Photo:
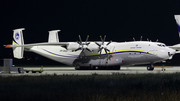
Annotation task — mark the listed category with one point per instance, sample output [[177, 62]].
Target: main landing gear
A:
[[150, 67], [77, 67]]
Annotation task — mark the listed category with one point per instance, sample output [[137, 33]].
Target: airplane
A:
[[96, 55]]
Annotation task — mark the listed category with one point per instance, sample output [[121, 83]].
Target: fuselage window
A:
[[163, 45], [159, 45]]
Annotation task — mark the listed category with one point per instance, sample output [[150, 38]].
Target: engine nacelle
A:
[[93, 46], [73, 46]]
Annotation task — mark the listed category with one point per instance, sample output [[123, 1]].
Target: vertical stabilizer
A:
[[53, 36], [18, 40], [177, 17]]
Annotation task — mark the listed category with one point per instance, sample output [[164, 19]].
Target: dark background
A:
[[119, 20]]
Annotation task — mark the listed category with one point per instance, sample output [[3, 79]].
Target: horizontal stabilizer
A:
[[53, 36]]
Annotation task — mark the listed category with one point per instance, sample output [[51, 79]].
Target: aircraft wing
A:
[[38, 44]]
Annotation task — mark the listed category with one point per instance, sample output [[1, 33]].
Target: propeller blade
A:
[[100, 53], [88, 43], [108, 42], [104, 39], [83, 51], [134, 39], [78, 42], [105, 50], [80, 39], [88, 49], [141, 38], [100, 49], [98, 44], [86, 39], [78, 49]]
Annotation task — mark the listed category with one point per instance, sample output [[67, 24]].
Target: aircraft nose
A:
[[171, 53]]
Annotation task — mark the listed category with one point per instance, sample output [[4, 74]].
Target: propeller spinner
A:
[[83, 46], [103, 46]]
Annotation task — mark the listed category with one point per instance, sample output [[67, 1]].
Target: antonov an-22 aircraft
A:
[[96, 55]]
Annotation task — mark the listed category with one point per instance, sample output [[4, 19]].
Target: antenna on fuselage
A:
[[141, 38], [147, 39], [157, 40], [134, 39]]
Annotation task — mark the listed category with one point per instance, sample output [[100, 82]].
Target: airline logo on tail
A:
[[17, 36]]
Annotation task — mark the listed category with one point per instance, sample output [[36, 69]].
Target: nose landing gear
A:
[[150, 67]]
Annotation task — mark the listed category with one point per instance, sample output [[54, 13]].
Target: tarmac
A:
[[72, 71]]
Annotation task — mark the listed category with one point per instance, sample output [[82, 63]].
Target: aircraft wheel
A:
[[77, 67], [27, 71], [96, 68], [150, 68], [33, 71]]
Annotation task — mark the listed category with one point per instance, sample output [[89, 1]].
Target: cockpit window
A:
[[161, 45]]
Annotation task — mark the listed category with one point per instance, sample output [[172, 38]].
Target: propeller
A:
[[83, 46], [103, 46]]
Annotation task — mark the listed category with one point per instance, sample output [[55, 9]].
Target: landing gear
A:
[[107, 68], [77, 67], [150, 67], [96, 68]]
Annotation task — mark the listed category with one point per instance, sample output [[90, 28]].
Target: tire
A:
[[27, 71], [77, 67], [150, 68], [33, 71], [96, 68]]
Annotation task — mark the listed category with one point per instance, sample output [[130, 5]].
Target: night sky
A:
[[119, 20]]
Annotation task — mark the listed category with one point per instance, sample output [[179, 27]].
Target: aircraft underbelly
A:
[[140, 59], [68, 60]]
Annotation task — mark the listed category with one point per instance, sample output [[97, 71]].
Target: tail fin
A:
[[53, 36], [177, 17], [18, 40]]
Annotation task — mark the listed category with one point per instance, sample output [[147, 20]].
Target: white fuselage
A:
[[132, 53]]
